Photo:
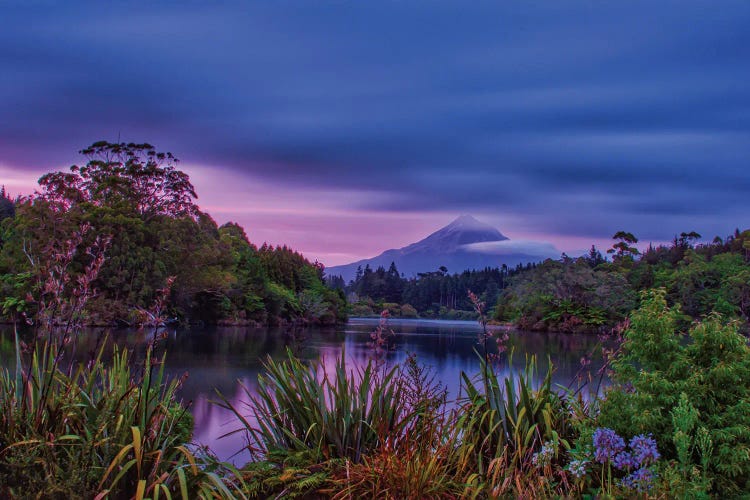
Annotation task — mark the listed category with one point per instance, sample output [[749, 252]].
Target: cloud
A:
[[509, 247], [580, 119]]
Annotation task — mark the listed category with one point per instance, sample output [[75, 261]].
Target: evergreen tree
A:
[[7, 206]]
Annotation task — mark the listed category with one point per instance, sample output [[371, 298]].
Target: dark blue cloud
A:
[[582, 118]]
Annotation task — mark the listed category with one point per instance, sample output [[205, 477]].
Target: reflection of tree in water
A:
[[295, 339]]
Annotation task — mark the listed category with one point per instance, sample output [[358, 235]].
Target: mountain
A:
[[465, 243]]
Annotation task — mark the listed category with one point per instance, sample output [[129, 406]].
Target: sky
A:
[[344, 128]]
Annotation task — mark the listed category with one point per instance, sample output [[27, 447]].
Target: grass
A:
[[100, 430]]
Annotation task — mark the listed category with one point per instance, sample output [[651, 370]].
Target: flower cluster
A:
[[544, 456], [644, 449], [641, 480], [577, 468], [607, 444], [623, 461], [610, 447]]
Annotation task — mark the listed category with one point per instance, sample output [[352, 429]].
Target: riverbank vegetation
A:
[[673, 424], [589, 294], [586, 293], [136, 200], [110, 425], [102, 429]]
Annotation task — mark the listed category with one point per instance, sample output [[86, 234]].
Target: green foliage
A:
[[509, 419], [282, 301], [588, 293], [431, 294], [362, 309], [624, 250], [342, 415], [662, 382], [311, 305], [291, 475], [13, 289], [98, 428], [7, 205], [136, 199], [567, 296], [399, 462], [370, 434]]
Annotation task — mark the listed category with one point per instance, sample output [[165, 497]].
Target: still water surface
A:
[[225, 358]]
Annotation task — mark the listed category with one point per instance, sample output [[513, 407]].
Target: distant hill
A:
[[465, 243]]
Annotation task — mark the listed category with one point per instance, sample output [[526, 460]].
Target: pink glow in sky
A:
[[319, 223], [17, 181]]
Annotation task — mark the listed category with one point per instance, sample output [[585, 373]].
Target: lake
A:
[[222, 358]]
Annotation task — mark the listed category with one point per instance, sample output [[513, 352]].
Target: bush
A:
[[408, 311], [361, 309], [503, 424], [661, 378]]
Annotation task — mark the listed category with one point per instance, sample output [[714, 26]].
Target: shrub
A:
[[361, 309], [392, 308], [659, 376], [408, 311]]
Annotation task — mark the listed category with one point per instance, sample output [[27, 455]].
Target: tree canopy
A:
[[136, 198], [128, 177]]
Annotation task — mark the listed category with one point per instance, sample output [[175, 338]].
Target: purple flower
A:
[[644, 449], [624, 461], [607, 444], [641, 480]]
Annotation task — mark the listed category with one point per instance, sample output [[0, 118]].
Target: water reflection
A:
[[222, 358]]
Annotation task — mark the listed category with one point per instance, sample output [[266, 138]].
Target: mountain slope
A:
[[465, 243]]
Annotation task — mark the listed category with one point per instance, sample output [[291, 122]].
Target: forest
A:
[[131, 204], [435, 294], [590, 293]]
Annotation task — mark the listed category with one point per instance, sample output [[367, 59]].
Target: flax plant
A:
[[302, 407], [501, 424], [417, 464], [98, 430]]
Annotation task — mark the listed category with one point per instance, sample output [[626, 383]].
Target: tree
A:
[[130, 177], [7, 211], [136, 198], [624, 248], [394, 285], [566, 296], [686, 239], [594, 257], [7, 206]]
